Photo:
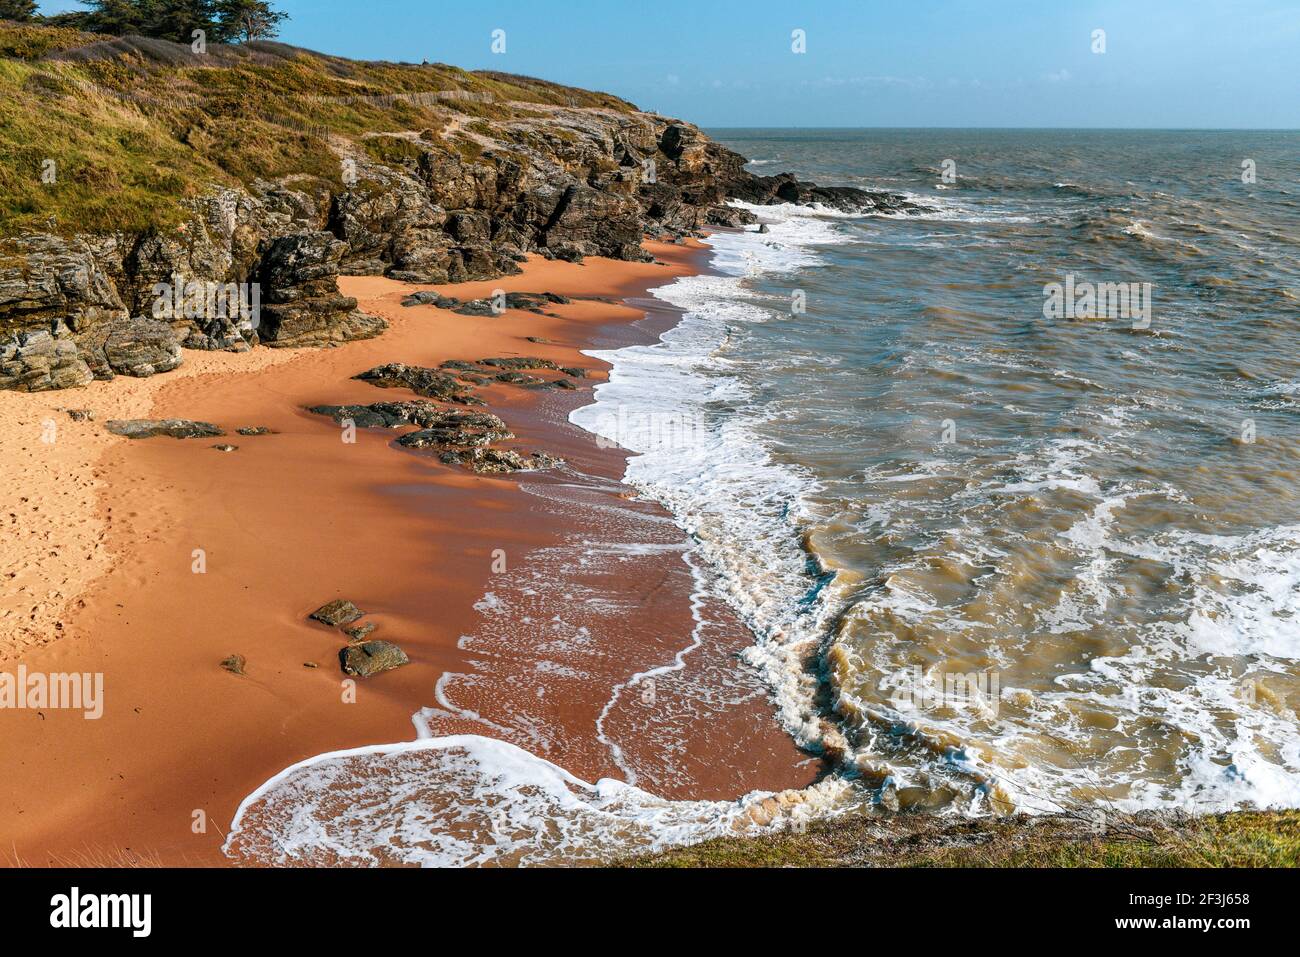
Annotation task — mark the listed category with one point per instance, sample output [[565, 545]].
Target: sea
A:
[[1004, 485]]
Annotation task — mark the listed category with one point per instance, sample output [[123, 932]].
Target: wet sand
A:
[[297, 518]]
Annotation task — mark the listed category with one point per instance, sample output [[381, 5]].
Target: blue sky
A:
[[1168, 63]]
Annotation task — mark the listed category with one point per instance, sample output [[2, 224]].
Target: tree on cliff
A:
[[20, 10], [178, 19], [223, 21], [250, 19], [165, 19]]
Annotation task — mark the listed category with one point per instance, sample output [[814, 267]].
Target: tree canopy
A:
[[20, 10], [222, 21]]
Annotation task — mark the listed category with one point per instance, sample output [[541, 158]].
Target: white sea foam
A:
[[745, 511], [467, 800]]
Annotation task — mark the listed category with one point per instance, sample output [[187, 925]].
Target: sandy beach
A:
[[102, 579]]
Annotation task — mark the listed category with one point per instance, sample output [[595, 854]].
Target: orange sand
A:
[[97, 576]]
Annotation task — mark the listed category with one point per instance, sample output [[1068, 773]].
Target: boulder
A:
[[141, 347], [371, 658], [359, 632], [338, 612], [37, 361]]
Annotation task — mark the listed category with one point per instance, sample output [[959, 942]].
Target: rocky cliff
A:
[[372, 176]]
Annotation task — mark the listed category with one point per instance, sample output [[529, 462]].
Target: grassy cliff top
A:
[[133, 125]]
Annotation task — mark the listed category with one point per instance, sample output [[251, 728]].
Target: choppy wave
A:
[[746, 512], [474, 800]]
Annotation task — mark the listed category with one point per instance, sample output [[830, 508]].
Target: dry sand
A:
[[100, 539]]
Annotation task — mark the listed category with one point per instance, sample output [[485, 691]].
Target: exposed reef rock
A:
[[459, 436], [785, 188], [174, 428], [486, 372], [527, 301], [431, 383], [492, 461], [455, 428], [382, 415]]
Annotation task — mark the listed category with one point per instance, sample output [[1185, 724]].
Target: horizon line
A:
[[1113, 129]]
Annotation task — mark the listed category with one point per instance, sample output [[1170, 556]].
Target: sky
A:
[[1218, 64]]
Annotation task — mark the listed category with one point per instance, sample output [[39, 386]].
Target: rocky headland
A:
[[167, 200]]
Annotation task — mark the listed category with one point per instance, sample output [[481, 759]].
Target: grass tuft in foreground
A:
[[1240, 839]]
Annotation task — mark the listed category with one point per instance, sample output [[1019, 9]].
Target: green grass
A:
[[132, 134], [1241, 839]]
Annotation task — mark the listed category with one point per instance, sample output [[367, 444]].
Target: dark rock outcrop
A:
[[303, 306], [429, 298], [527, 301], [456, 428], [174, 428], [430, 383], [382, 415], [459, 436], [519, 362], [494, 461], [562, 182]]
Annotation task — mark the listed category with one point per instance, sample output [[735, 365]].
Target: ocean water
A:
[[994, 557]]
